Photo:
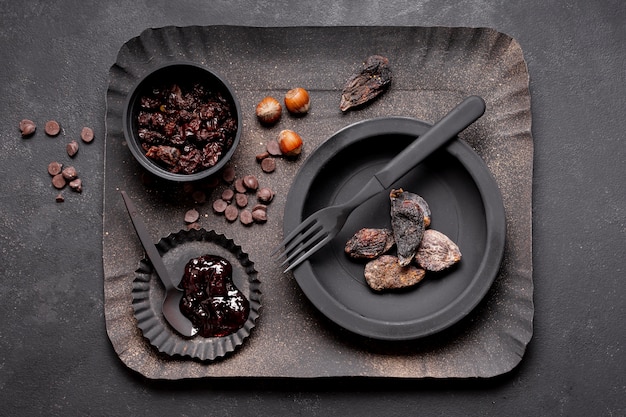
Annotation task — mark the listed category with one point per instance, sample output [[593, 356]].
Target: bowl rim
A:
[[133, 142]]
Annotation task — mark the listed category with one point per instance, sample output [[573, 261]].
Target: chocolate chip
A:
[[199, 197], [273, 148], [54, 168], [250, 182], [245, 217], [262, 156], [188, 188], [228, 174], [27, 127], [239, 187], [192, 216], [72, 148], [69, 173], [227, 195], [86, 134], [77, 185], [59, 198], [58, 181], [259, 207], [219, 206], [268, 165], [211, 182], [265, 195], [241, 199], [259, 216], [194, 226], [231, 213], [52, 128]]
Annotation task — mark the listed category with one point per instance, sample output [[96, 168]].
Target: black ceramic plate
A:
[[466, 205], [148, 294]]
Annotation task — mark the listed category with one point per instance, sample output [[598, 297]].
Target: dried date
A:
[[407, 223], [369, 82], [437, 252], [369, 243], [385, 273]]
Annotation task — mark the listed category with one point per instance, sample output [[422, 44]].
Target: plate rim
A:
[[489, 267]]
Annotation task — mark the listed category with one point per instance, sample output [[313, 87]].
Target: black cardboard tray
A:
[[434, 69]]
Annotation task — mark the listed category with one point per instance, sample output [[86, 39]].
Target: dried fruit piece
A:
[[369, 243], [385, 273], [425, 209], [407, 223], [368, 83], [437, 252]]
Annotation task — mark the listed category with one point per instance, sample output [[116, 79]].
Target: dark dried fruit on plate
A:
[[369, 82], [385, 273], [407, 223], [437, 252], [425, 209], [369, 243]]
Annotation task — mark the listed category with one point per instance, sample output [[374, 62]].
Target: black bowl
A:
[[185, 75]]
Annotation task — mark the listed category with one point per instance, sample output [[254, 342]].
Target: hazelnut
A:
[[268, 111], [297, 100], [290, 143]]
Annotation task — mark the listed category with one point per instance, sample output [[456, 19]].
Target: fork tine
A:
[[306, 244], [308, 253], [301, 239], [307, 224]]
